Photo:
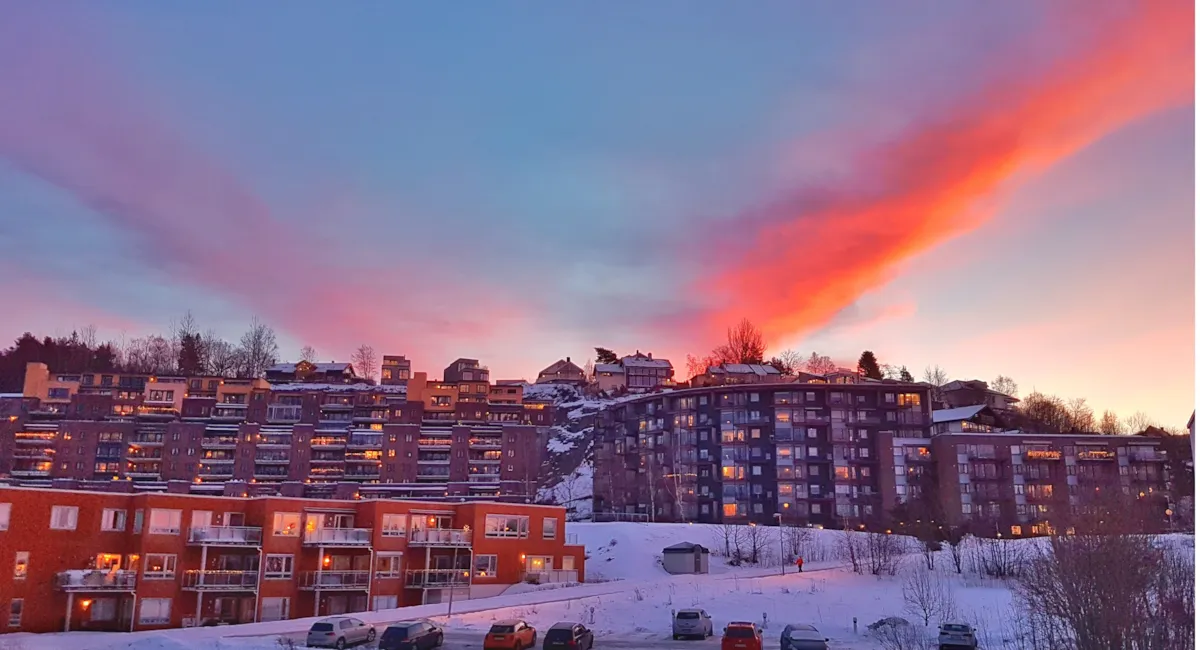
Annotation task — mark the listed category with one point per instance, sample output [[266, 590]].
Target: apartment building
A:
[[104, 561], [803, 453], [738, 373], [313, 373], [395, 370], [972, 392], [419, 441]]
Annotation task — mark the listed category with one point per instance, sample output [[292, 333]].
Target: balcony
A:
[[219, 442], [436, 578], [31, 471], [1096, 454], [366, 441], [327, 442], [1142, 455], [28, 453], [283, 413], [485, 443], [440, 537], [215, 472], [335, 580], [353, 537], [225, 536], [272, 459], [550, 577], [97, 580], [220, 580], [1043, 454], [362, 474]]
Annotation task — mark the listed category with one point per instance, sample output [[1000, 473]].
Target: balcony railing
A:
[[439, 537], [338, 537], [225, 535], [335, 580], [551, 576], [218, 442], [220, 580], [438, 578], [97, 580]]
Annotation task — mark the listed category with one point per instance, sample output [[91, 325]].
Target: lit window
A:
[[286, 524], [21, 566], [729, 510]]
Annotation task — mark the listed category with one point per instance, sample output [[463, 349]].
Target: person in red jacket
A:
[[799, 565]]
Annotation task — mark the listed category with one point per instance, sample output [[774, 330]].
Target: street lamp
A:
[[779, 520]]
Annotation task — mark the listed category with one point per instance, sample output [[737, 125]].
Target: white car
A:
[[956, 636], [339, 632]]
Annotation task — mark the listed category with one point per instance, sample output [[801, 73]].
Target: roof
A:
[[563, 626], [644, 362], [333, 366], [685, 547], [745, 369], [956, 415], [610, 367], [340, 388], [562, 365]]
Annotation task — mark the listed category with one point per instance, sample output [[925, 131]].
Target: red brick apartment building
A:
[[427, 439], [95, 561]]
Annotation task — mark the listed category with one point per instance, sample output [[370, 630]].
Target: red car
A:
[[740, 635]]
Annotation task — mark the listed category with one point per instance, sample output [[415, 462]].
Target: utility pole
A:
[[782, 567]]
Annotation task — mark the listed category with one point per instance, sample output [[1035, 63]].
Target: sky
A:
[[997, 188]]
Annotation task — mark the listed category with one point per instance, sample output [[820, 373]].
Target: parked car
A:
[[568, 636], [797, 636], [956, 636], [742, 635], [411, 635], [339, 632], [510, 635], [693, 623]]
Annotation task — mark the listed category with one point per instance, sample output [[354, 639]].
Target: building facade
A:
[[563, 371], [807, 453], [96, 561]]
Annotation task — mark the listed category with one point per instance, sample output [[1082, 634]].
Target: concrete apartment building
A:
[[429, 439], [96, 561], [743, 453]]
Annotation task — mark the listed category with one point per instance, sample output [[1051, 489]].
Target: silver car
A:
[[691, 622], [956, 636], [339, 632]]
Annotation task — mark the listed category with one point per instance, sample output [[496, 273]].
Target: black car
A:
[[411, 635], [568, 636]]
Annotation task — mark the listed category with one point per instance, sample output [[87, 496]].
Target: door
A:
[[235, 519]]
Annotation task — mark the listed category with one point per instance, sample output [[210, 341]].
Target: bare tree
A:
[[999, 557], [1110, 424], [724, 536], [955, 536], [1004, 384], [791, 360], [364, 362], [883, 553], [756, 542], [1138, 422], [308, 353], [936, 377], [896, 634], [1048, 412], [699, 365], [743, 344], [799, 541], [925, 594], [850, 547], [589, 370], [818, 364], [1082, 417], [258, 350], [221, 358]]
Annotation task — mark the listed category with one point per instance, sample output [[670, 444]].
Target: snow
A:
[[341, 388]]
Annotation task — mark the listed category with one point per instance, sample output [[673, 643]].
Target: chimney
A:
[[650, 355], [568, 359]]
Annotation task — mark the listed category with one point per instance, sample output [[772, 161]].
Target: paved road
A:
[[469, 640]]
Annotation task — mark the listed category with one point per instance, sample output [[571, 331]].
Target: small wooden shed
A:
[[685, 557]]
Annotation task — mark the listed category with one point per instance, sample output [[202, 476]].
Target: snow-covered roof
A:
[[561, 366], [684, 547], [320, 367], [956, 415], [11, 395], [745, 369], [610, 367], [339, 388], [644, 362]]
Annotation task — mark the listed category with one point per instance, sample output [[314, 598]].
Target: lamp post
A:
[[779, 520]]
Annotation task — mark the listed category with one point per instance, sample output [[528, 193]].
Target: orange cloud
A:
[[821, 249]]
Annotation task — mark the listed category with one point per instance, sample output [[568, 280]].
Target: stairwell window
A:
[[21, 566], [15, 608], [5, 515], [64, 517], [549, 527]]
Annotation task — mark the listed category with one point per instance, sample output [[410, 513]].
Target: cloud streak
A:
[[74, 122], [808, 256]]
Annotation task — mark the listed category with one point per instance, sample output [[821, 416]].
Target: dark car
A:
[[568, 636], [797, 636], [411, 635]]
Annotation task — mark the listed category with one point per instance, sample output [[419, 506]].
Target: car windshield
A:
[[958, 629], [802, 633], [558, 635], [688, 616], [322, 627], [740, 632], [501, 629], [395, 634]]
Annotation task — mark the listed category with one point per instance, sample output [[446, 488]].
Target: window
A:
[[758, 508], [21, 566], [14, 612], [387, 565], [155, 611], [103, 610], [165, 522], [549, 528], [756, 433], [756, 470], [753, 397], [485, 566], [159, 566], [64, 517], [889, 398], [380, 603], [138, 516], [506, 526], [275, 609], [814, 508], [286, 524], [5, 514], [729, 510], [112, 520], [394, 525], [278, 567]]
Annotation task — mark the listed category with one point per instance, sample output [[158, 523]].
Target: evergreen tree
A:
[[604, 355], [189, 355], [905, 375], [869, 366]]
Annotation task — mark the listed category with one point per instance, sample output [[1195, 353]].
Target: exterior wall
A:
[[48, 608], [610, 381]]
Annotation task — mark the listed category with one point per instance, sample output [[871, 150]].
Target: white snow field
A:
[[629, 598]]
